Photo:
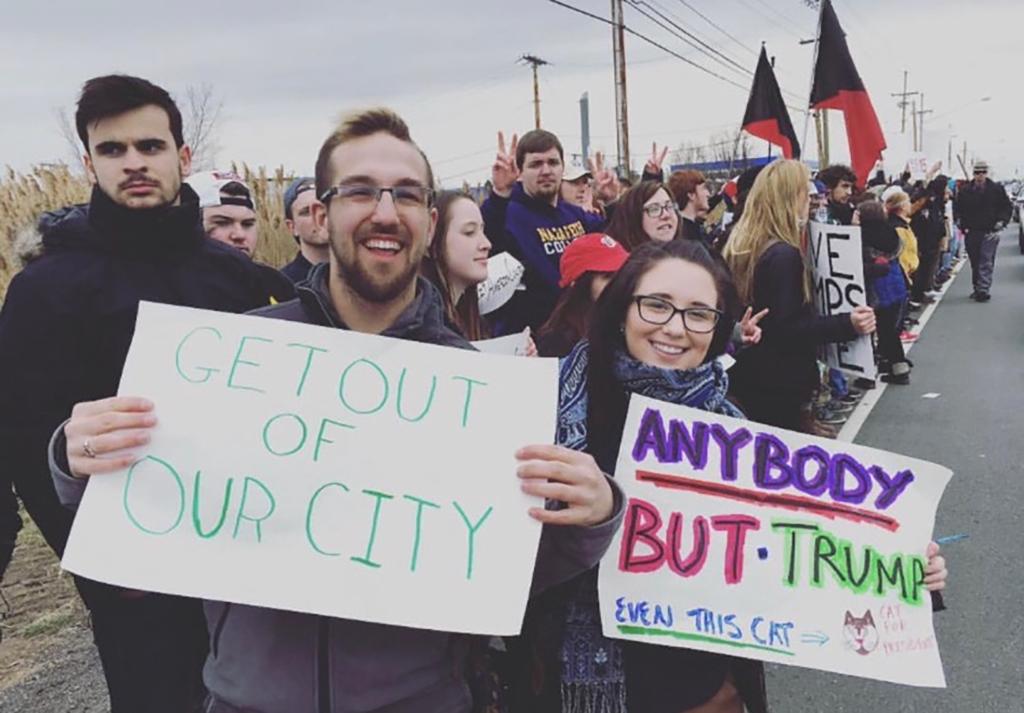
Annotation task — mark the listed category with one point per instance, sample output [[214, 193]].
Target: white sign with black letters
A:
[[838, 288]]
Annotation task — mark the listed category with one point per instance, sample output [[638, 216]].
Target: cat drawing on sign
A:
[[860, 633]]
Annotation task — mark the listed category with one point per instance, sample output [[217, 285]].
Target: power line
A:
[[770, 19], [747, 72], [743, 45], [714, 54], [663, 48], [718, 27], [651, 42], [779, 13]]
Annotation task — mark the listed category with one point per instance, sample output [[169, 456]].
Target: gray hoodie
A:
[[271, 661]]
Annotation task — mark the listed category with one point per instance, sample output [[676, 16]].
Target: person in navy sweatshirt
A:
[[526, 217]]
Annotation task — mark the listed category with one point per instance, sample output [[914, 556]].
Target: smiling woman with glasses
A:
[[645, 213], [657, 330]]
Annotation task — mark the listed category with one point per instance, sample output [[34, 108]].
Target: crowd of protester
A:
[[631, 286]]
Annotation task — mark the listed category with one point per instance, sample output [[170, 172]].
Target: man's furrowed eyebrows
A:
[[155, 143], [110, 146]]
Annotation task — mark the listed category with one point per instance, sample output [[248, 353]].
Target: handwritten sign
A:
[[753, 541], [838, 288], [510, 345], [918, 166], [318, 470], [504, 277]]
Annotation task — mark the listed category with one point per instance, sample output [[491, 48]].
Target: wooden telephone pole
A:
[[534, 62], [621, 117], [903, 104]]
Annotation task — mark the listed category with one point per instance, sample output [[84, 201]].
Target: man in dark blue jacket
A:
[[65, 329], [526, 217]]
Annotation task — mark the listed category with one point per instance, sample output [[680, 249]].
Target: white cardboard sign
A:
[[838, 288], [319, 470], [509, 345], [504, 277], [757, 542]]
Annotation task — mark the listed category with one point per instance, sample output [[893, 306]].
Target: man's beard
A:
[[368, 286], [547, 194]]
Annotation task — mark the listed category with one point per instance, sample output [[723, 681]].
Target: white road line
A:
[[867, 402]]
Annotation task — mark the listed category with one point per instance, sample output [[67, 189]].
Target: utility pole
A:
[[913, 116], [903, 104], [823, 159], [820, 139], [534, 62], [621, 116], [919, 117], [585, 125]]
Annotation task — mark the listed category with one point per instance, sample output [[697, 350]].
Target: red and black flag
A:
[[837, 85], [766, 115]]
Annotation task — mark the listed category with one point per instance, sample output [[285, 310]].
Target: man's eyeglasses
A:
[[655, 310], [364, 194], [655, 210]]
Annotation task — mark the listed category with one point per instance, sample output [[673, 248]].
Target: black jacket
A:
[[298, 269], [786, 358], [69, 316], [981, 208], [692, 230]]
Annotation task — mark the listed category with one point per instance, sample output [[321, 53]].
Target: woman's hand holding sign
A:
[[863, 319], [935, 571], [101, 434], [572, 477]]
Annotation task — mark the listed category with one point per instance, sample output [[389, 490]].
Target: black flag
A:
[[837, 85], [766, 115]]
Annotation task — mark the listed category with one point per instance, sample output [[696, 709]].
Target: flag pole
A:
[[814, 66]]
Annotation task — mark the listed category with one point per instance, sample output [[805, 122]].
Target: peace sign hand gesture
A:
[[750, 332], [656, 160], [505, 172], [606, 183]]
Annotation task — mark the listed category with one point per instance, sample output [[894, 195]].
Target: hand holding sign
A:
[[99, 432], [863, 319], [505, 172], [568, 476], [935, 573]]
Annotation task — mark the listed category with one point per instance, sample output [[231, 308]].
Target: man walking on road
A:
[[983, 209]]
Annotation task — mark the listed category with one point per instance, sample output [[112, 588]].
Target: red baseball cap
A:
[[593, 252]]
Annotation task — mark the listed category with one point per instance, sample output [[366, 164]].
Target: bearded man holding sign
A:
[[375, 187]]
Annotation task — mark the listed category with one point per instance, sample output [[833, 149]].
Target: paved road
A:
[[973, 356]]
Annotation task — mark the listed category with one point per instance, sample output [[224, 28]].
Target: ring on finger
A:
[[88, 449]]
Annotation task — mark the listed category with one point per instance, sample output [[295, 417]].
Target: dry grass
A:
[[276, 246], [26, 196], [23, 198]]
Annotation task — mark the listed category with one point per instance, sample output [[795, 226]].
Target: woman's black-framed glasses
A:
[[655, 310], [656, 210], [408, 196]]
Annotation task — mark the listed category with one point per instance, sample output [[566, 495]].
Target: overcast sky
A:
[[286, 71]]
